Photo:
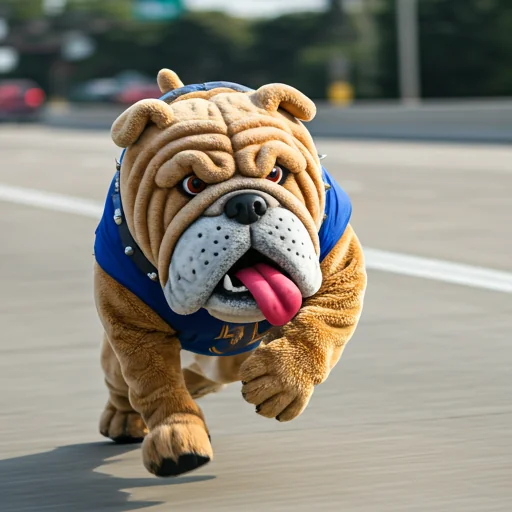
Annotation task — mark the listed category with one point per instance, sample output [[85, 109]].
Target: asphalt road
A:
[[416, 416]]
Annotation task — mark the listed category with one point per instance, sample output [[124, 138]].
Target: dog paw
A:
[[177, 447], [199, 386], [122, 427], [275, 382]]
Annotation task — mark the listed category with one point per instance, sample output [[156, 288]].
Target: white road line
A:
[[376, 259], [50, 201], [438, 270]]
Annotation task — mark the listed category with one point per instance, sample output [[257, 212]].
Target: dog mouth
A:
[[231, 285], [255, 276]]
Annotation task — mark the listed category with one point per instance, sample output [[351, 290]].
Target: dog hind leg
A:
[[209, 374], [119, 421]]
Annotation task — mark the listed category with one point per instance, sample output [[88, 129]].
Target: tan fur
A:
[[168, 80], [289, 367], [128, 127], [149, 355], [198, 385], [119, 420], [274, 96], [231, 141], [216, 138]]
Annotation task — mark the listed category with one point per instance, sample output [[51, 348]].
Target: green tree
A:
[[278, 52], [33, 9], [18, 10], [200, 46], [117, 9], [465, 48]]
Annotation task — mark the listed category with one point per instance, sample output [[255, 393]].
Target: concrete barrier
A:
[[478, 121], [485, 121], [93, 116]]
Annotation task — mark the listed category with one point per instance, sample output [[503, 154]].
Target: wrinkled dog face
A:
[[240, 230], [223, 192]]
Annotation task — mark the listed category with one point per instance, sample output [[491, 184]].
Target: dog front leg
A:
[[149, 356], [178, 439]]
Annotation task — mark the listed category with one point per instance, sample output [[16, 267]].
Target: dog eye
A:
[[192, 185], [276, 174]]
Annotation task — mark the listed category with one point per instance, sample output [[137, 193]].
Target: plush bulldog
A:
[[224, 254]]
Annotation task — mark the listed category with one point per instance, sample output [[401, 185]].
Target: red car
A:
[[136, 92], [20, 100]]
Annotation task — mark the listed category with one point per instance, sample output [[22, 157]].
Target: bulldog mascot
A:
[[224, 254]]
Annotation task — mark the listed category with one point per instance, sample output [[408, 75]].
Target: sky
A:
[[258, 7]]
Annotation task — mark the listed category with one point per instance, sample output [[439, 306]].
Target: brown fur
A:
[[168, 80], [231, 141]]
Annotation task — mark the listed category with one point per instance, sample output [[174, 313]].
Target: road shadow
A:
[[65, 480]]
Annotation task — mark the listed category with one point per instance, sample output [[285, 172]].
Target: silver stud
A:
[[117, 186], [321, 157], [128, 251], [118, 219], [153, 276], [325, 217], [327, 186], [118, 165]]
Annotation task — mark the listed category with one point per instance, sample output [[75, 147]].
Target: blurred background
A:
[[414, 102], [447, 54], [110, 50]]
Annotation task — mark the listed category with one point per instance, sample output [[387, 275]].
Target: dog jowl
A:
[[224, 254]]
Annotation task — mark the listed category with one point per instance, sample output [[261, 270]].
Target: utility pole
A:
[[340, 91], [408, 50]]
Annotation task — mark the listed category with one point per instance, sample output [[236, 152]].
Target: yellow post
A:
[[340, 93]]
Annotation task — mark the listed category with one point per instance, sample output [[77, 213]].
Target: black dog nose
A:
[[246, 208]]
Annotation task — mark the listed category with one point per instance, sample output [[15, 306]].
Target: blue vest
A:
[[200, 332]]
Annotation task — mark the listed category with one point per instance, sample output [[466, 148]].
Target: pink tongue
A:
[[277, 296]]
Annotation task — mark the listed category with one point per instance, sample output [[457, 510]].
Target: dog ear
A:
[[128, 127], [274, 96], [168, 80]]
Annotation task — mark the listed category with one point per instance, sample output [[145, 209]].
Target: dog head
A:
[[223, 192]]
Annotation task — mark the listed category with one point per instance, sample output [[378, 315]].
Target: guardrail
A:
[[477, 121]]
